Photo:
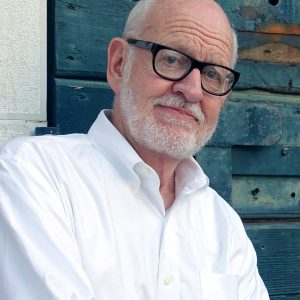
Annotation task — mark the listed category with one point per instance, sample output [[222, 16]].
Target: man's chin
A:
[[178, 152]]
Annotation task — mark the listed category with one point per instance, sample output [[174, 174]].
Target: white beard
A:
[[171, 136]]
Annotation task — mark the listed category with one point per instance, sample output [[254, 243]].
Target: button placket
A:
[[168, 279]]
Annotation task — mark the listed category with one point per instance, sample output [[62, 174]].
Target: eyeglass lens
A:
[[175, 65]]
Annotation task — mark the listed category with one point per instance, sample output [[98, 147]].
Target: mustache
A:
[[177, 101]]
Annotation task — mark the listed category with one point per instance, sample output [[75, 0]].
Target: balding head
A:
[[150, 16]]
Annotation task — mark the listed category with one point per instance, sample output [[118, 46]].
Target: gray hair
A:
[[136, 18], [140, 11], [235, 47]]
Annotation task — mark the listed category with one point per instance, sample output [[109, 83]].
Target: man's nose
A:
[[190, 87]]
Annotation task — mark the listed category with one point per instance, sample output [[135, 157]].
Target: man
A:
[[124, 212]]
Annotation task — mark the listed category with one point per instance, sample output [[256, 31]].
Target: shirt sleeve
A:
[[39, 256], [251, 284], [244, 258]]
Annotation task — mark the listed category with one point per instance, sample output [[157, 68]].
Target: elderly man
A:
[[124, 212]]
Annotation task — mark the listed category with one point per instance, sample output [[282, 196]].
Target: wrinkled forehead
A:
[[191, 25]]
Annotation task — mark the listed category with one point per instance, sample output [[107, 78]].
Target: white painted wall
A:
[[23, 69]]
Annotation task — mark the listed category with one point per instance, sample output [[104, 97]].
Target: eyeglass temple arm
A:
[[141, 44]]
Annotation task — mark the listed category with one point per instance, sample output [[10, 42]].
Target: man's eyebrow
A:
[[180, 48], [185, 50]]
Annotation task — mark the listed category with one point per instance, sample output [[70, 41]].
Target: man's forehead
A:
[[169, 7], [166, 14], [190, 26]]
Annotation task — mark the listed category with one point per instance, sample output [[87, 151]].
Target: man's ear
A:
[[117, 51]]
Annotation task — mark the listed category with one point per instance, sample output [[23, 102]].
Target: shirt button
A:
[[167, 281], [134, 187], [146, 171]]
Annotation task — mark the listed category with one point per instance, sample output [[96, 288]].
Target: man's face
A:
[[174, 118], [165, 123]]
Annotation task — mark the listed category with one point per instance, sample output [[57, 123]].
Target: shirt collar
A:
[[189, 176], [107, 139]]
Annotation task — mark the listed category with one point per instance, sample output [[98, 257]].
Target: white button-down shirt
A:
[[81, 217]]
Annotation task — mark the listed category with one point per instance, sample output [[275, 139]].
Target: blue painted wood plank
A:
[[268, 16], [285, 297], [216, 163], [278, 246], [269, 76], [266, 196], [248, 123], [288, 106], [83, 30], [261, 47], [248, 40], [46, 130], [77, 104], [290, 123], [278, 160]]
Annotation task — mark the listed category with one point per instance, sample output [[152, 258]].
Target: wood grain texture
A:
[[77, 104], [262, 16], [266, 195], [290, 124], [285, 297], [245, 123], [278, 160], [287, 105], [216, 163], [278, 246], [269, 76], [82, 32], [277, 48]]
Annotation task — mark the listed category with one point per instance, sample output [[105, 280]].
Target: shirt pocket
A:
[[216, 286]]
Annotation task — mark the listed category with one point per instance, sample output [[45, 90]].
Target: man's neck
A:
[[165, 167]]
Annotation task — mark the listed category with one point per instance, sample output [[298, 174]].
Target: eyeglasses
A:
[[175, 65]]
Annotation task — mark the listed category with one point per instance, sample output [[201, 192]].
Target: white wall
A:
[[22, 67]]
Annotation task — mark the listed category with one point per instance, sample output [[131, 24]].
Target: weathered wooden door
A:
[[254, 158]]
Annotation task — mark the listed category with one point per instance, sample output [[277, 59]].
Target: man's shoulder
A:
[[223, 211], [26, 148]]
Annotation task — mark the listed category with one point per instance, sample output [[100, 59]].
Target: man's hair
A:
[[140, 11], [235, 47], [136, 18]]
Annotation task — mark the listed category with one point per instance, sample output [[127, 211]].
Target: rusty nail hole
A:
[[82, 97], [267, 51], [255, 191], [70, 57], [284, 151], [273, 2], [262, 247], [293, 195], [71, 6]]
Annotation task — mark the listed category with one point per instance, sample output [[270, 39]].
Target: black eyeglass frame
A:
[[195, 64]]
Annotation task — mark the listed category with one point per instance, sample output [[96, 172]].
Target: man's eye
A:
[[171, 60], [212, 74]]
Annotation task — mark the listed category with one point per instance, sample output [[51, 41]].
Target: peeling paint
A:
[[248, 12], [280, 28], [273, 52]]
